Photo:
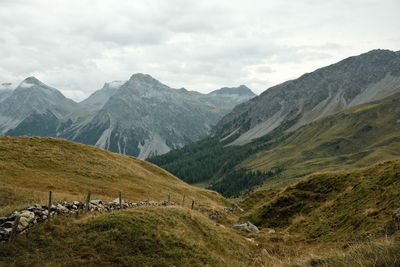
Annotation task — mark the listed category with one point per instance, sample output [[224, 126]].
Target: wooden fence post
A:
[[183, 200], [49, 207], [87, 200], [14, 229], [120, 199], [192, 204]]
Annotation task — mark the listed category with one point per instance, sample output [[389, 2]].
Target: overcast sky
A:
[[77, 45]]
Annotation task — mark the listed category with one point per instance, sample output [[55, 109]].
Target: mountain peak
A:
[[240, 90], [30, 82], [113, 85], [143, 83], [142, 77]]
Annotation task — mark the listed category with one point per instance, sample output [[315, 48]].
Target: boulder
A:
[[26, 217], [23, 223], [29, 215], [246, 227]]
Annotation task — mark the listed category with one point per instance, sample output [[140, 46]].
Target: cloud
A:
[[76, 46]]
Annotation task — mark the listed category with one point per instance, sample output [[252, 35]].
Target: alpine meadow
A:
[[212, 133]]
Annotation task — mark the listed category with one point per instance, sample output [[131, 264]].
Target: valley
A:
[[305, 174]]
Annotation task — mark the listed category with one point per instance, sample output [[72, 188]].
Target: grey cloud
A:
[[76, 46]]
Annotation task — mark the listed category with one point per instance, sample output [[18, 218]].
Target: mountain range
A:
[[341, 116], [138, 117], [329, 90]]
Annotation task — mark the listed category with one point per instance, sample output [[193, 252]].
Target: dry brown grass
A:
[[30, 167]]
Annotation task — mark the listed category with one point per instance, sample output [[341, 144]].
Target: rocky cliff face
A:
[[139, 117], [144, 117], [353, 81]]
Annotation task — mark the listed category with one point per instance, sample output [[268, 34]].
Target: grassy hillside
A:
[[357, 137], [148, 236], [30, 167], [313, 219], [333, 206]]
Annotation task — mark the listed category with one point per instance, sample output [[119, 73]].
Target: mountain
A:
[[31, 101], [4, 93], [100, 97], [355, 137], [350, 82], [139, 117]]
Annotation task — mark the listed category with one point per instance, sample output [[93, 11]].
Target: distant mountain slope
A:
[[5, 91], [139, 117], [350, 82], [356, 137], [32, 98], [144, 117]]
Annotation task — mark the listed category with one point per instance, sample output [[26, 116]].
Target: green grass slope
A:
[[332, 206], [147, 236], [357, 137], [30, 167]]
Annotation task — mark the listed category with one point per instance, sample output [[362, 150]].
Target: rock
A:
[[271, 231], [3, 220], [7, 224], [60, 208], [23, 223], [246, 227], [5, 231], [97, 202], [116, 201], [29, 215], [26, 217], [213, 216]]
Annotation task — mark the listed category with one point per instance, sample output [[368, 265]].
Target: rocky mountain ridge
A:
[[329, 90], [139, 117]]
